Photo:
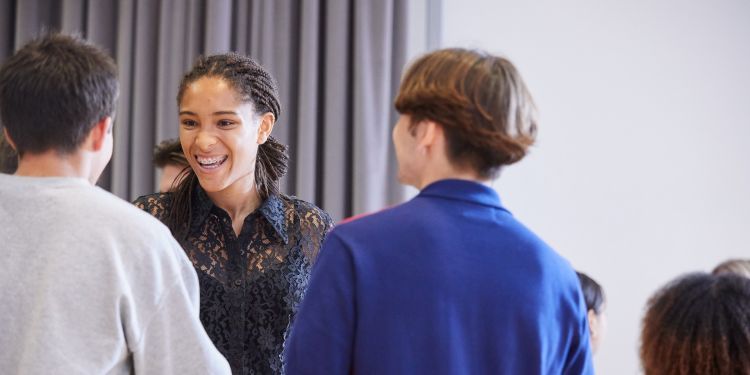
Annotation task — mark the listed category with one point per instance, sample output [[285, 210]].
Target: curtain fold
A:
[[337, 62]]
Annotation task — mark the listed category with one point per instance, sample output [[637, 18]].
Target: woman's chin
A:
[[211, 185]]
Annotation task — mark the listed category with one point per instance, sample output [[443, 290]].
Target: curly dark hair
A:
[[698, 324], [479, 99], [254, 84]]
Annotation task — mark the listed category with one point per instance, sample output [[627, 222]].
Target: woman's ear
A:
[[267, 122]]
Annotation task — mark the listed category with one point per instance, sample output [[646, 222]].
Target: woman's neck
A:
[[239, 200]]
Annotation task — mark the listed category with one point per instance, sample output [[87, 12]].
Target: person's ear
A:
[[98, 134], [9, 140], [427, 134], [593, 323], [267, 122]]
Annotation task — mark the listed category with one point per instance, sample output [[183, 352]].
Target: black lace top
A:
[[250, 285]]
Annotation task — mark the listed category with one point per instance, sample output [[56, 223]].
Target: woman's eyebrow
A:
[[190, 113]]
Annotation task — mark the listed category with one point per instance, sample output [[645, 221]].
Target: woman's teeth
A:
[[210, 162]]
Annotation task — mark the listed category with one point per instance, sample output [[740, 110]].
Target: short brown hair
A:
[[169, 152], [53, 91], [479, 99], [698, 324]]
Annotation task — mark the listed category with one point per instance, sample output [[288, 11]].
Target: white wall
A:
[[642, 167]]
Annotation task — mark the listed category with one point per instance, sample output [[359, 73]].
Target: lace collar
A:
[[272, 209]]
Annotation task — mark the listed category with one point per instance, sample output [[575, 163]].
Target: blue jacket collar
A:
[[462, 190]]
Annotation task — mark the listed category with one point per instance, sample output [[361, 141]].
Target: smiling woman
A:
[[252, 246], [220, 134]]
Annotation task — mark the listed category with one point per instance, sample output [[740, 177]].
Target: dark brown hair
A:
[[255, 85], [53, 91], [169, 152], [593, 293], [698, 324], [479, 99]]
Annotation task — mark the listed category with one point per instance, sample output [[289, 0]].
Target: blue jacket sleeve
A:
[[322, 335], [579, 357]]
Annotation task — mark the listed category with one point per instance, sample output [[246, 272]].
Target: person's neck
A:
[[239, 200], [436, 165], [53, 164], [445, 172]]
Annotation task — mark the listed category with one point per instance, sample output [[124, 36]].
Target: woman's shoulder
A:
[[308, 213], [155, 204]]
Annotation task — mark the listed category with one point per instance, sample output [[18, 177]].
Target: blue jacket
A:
[[447, 283]]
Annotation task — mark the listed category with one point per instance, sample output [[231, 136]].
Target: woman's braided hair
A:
[[254, 84]]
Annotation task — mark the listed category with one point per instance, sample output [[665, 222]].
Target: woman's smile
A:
[[211, 163]]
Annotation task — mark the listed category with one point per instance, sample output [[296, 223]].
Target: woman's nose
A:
[[205, 140]]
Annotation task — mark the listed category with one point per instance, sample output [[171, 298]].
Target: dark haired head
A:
[[169, 152], [253, 84], [480, 100], [698, 324], [53, 91], [593, 293]]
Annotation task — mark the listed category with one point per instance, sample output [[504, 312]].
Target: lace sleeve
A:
[[314, 225], [154, 204]]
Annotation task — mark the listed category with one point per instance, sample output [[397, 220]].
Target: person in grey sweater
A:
[[89, 283]]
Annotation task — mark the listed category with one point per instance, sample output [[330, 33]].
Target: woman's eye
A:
[[225, 123], [188, 123]]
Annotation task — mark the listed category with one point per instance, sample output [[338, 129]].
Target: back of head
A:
[[593, 293], [53, 91], [739, 267], [169, 152], [698, 324], [479, 99]]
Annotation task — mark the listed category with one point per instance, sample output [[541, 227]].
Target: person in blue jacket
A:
[[448, 282]]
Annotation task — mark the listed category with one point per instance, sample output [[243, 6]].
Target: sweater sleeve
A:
[[322, 337], [173, 340]]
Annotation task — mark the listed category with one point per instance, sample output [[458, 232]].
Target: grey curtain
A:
[[338, 64]]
